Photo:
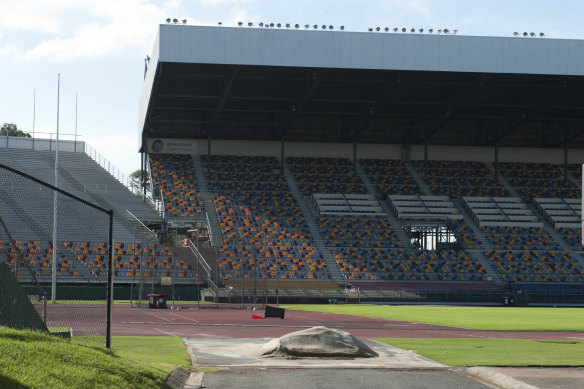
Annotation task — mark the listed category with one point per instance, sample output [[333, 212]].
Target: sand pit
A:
[[316, 342]]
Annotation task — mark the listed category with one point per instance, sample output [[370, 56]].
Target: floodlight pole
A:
[[33, 115], [75, 141], [54, 267]]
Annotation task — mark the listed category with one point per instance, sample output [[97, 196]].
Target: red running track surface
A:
[[238, 323]]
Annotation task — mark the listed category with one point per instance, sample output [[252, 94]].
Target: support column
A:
[[282, 156], [208, 151], [565, 161], [425, 159], [143, 173], [355, 156], [496, 161]]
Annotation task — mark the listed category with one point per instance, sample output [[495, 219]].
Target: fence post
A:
[[110, 282]]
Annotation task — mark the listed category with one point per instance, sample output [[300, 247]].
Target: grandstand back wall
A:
[[345, 150]]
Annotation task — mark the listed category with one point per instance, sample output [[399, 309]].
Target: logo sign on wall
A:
[[172, 146], [157, 146]]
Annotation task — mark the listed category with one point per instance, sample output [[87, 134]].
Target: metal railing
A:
[[108, 166], [212, 285]]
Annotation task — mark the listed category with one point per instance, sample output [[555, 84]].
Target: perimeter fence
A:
[[58, 246]]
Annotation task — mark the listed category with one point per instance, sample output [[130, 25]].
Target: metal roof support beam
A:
[[569, 139], [361, 128], [297, 109], [231, 75], [434, 130], [500, 135]]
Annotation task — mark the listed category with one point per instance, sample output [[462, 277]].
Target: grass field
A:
[[159, 352], [480, 318], [35, 360], [477, 351], [496, 352]]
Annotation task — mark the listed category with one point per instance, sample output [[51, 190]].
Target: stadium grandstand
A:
[[355, 165]]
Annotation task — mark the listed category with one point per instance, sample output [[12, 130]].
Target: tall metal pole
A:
[[54, 268], [198, 286], [33, 115], [198, 276], [75, 143], [110, 281]]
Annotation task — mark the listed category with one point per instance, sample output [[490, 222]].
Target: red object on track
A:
[[256, 317]]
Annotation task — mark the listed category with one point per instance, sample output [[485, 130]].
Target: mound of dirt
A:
[[316, 342]]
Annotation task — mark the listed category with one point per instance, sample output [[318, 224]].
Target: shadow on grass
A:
[[6, 382]]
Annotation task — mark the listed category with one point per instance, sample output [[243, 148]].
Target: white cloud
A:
[[59, 30]]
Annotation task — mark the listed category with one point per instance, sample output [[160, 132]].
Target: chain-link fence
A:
[[59, 248], [142, 277]]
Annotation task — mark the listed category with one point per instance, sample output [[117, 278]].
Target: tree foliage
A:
[[10, 129]]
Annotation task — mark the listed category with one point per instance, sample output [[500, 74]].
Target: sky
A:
[[98, 48]]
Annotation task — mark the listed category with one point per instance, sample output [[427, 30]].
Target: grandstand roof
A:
[[338, 86]]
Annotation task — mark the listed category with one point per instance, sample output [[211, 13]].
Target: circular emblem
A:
[[157, 146]]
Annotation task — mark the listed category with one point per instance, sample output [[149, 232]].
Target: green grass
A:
[[161, 352], [496, 352], [31, 359], [483, 318]]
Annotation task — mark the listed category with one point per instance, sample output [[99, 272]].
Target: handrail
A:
[[133, 218], [200, 258], [210, 230], [212, 286], [108, 166]]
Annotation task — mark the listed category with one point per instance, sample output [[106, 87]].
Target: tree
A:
[[10, 129], [136, 181]]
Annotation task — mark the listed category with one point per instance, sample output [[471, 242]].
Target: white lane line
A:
[[164, 332], [186, 318], [163, 318]]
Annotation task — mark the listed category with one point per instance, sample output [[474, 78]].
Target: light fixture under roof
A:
[[343, 27]]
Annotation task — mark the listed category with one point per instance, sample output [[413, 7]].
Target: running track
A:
[[238, 323]]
